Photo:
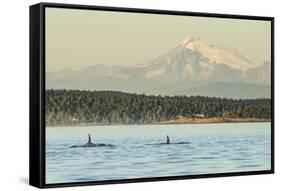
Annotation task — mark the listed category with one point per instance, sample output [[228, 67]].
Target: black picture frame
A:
[[37, 93]]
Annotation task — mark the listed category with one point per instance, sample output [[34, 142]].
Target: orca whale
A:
[[167, 140], [169, 143], [90, 144]]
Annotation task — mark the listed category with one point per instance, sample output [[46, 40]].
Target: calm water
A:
[[214, 148]]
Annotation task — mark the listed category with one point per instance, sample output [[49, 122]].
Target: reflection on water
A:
[[213, 148]]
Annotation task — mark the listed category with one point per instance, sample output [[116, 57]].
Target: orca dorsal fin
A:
[[89, 138], [168, 140]]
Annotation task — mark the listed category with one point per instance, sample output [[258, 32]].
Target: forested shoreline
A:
[[74, 107]]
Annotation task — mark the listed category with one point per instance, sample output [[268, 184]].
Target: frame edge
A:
[[35, 171]]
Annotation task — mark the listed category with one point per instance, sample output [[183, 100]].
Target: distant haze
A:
[[77, 39]]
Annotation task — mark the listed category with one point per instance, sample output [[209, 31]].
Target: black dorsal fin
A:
[[89, 140], [168, 140]]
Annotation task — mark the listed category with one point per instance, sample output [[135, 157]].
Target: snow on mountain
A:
[[216, 54]]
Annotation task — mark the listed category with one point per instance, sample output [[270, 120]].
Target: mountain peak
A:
[[194, 43], [215, 54], [188, 40]]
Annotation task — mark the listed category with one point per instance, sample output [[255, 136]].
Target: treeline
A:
[[70, 107]]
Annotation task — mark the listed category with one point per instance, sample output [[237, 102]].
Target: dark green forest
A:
[[70, 107]]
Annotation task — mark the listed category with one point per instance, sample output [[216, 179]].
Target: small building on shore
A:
[[198, 115]]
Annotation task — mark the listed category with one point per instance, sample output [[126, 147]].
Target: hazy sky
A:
[[76, 39]]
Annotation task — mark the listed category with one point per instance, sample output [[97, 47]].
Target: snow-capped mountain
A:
[[216, 54], [195, 59], [192, 63]]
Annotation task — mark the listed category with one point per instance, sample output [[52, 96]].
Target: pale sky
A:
[[77, 39]]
